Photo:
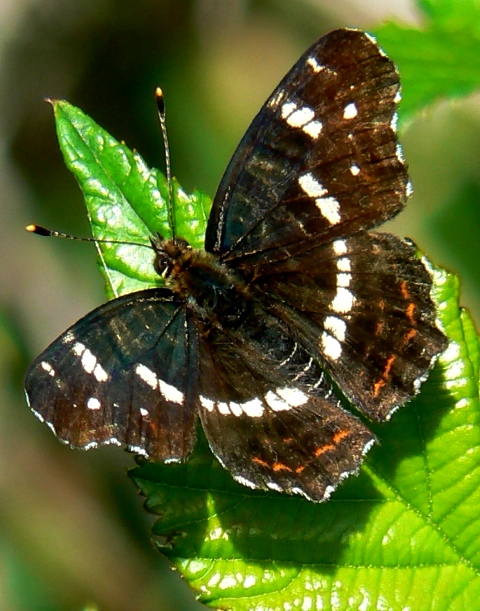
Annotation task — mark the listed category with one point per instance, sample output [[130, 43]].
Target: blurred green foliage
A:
[[73, 532]]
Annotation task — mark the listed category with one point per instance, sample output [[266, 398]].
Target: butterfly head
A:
[[171, 256]]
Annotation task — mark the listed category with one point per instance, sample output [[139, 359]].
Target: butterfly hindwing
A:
[[269, 425], [123, 374], [362, 304], [320, 160]]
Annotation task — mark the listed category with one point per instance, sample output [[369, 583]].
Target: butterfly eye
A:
[[170, 255], [162, 265]]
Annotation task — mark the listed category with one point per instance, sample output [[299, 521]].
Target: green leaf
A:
[[125, 199], [441, 60]]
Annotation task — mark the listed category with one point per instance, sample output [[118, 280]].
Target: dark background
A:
[[72, 529]]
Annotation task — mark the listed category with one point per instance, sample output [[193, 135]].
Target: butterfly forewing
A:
[[124, 374], [320, 160]]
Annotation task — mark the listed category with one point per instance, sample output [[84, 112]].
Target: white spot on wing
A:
[[294, 396], [394, 122], [235, 408], [90, 365], [208, 404], [284, 399], [94, 444], [300, 117], [399, 153], [275, 99], [68, 337], [303, 118], [331, 346], [48, 368], [93, 403], [368, 445], [313, 128], [100, 374], [78, 348], [287, 109], [88, 361], [276, 403], [223, 408], [354, 169], [343, 301], [143, 412], [274, 486], [311, 186], [337, 326], [253, 408], [244, 481], [329, 207], [170, 393], [350, 111], [343, 264], [340, 247], [344, 279], [147, 375], [314, 65]]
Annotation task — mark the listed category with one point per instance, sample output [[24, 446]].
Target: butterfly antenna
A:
[[161, 117], [50, 233]]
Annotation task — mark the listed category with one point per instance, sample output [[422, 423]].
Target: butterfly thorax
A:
[[209, 287]]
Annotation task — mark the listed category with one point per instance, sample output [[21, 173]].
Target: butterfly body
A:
[[293, 304]]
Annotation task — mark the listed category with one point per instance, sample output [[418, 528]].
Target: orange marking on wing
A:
[[379, 327], [410, 311], [380, 323], [337, 438], [260, 462], [404, 290], [379, 384], [323, 449], [278, 466], [377, 387], [300, 469], [410, 335], [388, 367]]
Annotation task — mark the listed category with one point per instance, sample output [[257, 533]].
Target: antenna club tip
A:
[[38, 230], [160, 100]]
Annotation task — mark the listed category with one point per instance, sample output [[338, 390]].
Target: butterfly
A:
[[293, 303]]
